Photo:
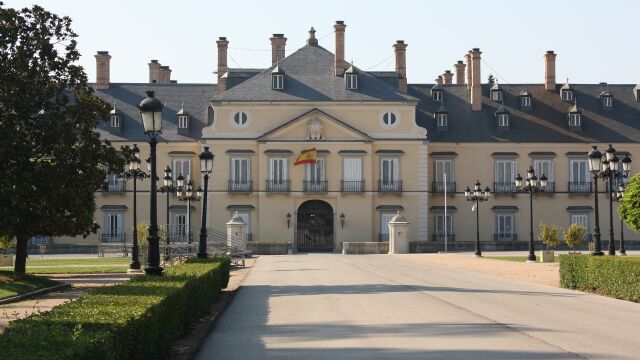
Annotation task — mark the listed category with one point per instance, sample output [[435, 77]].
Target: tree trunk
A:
[[21, 254]]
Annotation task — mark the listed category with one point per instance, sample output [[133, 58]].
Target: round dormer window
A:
[[389, 119], [240, 119]]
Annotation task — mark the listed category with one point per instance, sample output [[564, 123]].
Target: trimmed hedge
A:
[[618, 277], [139, 319]]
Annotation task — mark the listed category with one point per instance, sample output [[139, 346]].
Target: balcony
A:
[[240, 186], [440, 187], [505, 237], [352, 186], [387, 186], [504, 188], [616, 184], [383, 237], [278, 186], [551, 187], [116, 185], [441, 237], [314, 186], [115, 238], [580, 187]]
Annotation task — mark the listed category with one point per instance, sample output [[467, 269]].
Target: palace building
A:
[[382, 145]]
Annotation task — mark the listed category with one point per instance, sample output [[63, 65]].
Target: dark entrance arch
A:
[[314, 227]]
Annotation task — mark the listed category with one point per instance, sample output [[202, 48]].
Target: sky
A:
[[596, 41]]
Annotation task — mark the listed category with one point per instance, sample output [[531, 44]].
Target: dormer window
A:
[[436, 92], [442, 118], [115, 121], [575, 118], [351, 78], [183, 121], [502, 118], [607, 100], [496, 93], [636, 92], [566, 94], [525, 100], [277, 78]]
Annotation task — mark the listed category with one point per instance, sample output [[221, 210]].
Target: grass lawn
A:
[[12, 286], [75, 266], [555, 259]]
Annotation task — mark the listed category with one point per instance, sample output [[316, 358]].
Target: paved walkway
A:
[[330, 306]]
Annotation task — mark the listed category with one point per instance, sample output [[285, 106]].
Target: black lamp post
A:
[[168, 188], [135, 173], [342, 217], [151, 113], [206, 167], [288, 220], [188, 195], [531, 186], [618, 197], [477, 196]]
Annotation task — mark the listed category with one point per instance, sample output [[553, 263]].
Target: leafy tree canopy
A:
[[53, 160], [630, 206]]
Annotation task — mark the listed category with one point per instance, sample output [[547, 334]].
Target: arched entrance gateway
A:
[[314, 227]]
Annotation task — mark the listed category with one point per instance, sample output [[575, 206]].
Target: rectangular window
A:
[[115, 182], [525, 101], [544, 167], [579, 171], [505, 175], [442, 168], [503, 119], [115, 121], [441, 120], [352, 168], [496, 95], [240, 174], [277, 82], [567, 95], [316, 172], [183, 122], [574, 120], [607, 101], [278, 170], [444, 223], [178, 228], [181, 166], [352, 81], [437, 95], [582, 219], [113, 228], [505, 228]]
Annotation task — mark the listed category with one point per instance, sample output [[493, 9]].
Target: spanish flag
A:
[[307, 157]]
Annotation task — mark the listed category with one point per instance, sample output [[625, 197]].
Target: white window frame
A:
[[391, 173], [507, 177], [386, 115], [575, 119], [283, 175], [567, 95], [352, 168], [114, 221], [442, 166], [277, 81], [503, 120], [385, 217], [503, 224], [239, 115], [115, 121], [316, 172], [352, 81], [177, 169], [183, 122], [582, 176], [525, 101], [442, 119], [496, 95], [539, 165], [236, 171], [439, 223], [437, 95]]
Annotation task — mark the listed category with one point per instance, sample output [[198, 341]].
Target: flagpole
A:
[[445, 210]]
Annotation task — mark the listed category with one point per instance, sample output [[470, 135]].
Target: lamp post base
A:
[[134, 265], [597, 253], [153, 270], [203, 255], [135, 272], [478, 255]]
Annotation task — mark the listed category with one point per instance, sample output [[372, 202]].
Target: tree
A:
[[629, 209], [573, 235], [491, 80], [53, 159], [549, 235]]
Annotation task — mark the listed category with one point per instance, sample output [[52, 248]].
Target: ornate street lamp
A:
[[617, 196], [206, 167], [477, 196], [595, 162], [168, 188], [342, 217], [151, 113], [188, 195], [531, 186], [135, 173], [610, 173]]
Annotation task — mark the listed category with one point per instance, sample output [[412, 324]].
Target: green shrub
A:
[[139, 319], [549, 235], [573, 236], [618, 277]]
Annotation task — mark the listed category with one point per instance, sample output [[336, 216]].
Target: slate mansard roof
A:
[[309, 76], [546, 121], [127, 97]]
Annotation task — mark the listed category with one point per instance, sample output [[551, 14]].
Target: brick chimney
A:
[[223, 44], [550, 71], [439, 80], [338, 64], [400, 49], [278, 43], [165, 75], [448, 77], [459, 66], [154, 72], [476, 80], [103, 69], [467, 57]]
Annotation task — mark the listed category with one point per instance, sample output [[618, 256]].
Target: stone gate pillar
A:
[[237, 232], [398, 235]]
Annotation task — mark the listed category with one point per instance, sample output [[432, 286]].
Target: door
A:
[[384, 226], [582, 219], [314, 227], [182, 167], [444, 227], [113, 228], [352, 174], [240, 174], [178, 229], [390, 174], [544, 167], [505, 175], [442, 168], [504, 227]]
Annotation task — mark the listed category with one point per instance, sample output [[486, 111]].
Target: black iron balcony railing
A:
[[278, 186], [439, 187], [116, 185], [442, 237], [616, 184], [115, 238], [505, 237], [389, 186], [383, 237], [579, 187], [504, 187], [352, 186], [551, 187], [240, 186], [315, 186]]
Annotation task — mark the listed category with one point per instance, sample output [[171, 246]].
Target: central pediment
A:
[[314, 125]]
